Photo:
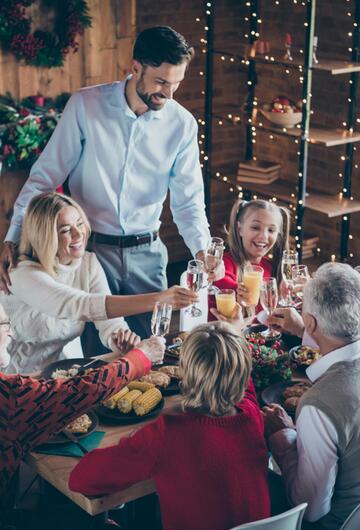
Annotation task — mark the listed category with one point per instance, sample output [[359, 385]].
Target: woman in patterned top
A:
[[31, 410]]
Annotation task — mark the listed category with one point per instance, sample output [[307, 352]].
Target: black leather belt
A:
[[124, 241]]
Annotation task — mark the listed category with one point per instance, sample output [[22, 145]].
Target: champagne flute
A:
[[160, 321], [213, 257], [269, 298], [290, 258], [300, 275], [161, 318], [194, 280]]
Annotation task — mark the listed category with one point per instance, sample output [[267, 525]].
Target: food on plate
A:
[[147, 401], [291, 403], [80, 425], [111, 403], [60, 373], [140, 385], [296, 390], [157, 378], [305, 355], [125, 404], [171, 371]]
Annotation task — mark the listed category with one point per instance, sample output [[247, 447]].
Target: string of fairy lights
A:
[[237, 117]]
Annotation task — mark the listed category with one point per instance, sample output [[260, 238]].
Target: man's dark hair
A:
[[161, 44]]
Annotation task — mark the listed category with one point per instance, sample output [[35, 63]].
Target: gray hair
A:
[[332, 296]]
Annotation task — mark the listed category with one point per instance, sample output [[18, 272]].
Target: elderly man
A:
[[320, 457]]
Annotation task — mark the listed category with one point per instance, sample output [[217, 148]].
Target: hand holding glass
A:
[[160, 320], [269, 298], [194, 280], [213, 257], [225, 302], [252, 280]]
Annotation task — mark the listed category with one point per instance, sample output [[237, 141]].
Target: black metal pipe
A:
[[349, 151], [305, 126], [208, 111]]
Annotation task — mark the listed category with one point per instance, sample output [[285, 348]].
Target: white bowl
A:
[[283, 119]]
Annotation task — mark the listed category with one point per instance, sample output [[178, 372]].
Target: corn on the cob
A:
[[112, 402], [147, 401], [140, 385], [125, 404]]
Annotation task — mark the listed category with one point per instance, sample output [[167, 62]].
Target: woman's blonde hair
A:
[[215, 364], [39, 236], [239, 212]]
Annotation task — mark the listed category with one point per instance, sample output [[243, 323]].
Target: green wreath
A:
[[42, 48]]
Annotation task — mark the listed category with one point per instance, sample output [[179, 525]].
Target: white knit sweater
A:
[[46, 313]]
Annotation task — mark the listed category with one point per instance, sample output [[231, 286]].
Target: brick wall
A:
[[230, 88]]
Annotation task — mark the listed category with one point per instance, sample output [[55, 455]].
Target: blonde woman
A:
[[57, 286], [208, 460]]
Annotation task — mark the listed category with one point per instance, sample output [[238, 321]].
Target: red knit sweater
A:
[[210, 472], [32, 410], [230, 280]]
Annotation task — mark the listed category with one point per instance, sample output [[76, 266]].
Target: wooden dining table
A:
[[56, 469]]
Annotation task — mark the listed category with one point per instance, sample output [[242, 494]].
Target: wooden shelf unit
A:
[[329, 205]]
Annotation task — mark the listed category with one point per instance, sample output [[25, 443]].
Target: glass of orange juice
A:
[[252, 279], [225, 302]]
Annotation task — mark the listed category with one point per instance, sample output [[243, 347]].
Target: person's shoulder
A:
[[95, 91], [25, 266], [176, 109]]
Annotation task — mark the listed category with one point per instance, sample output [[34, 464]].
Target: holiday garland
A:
[[42, 48]]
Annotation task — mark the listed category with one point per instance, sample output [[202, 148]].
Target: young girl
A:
[[256, 229], [208, 459]]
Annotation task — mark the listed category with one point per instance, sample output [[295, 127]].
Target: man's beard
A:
[[147, 98]]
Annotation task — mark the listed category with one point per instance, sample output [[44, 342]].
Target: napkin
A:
[[92, 441]]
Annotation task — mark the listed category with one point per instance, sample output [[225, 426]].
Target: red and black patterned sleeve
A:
[[31, 410]]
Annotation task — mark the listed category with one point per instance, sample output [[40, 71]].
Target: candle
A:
[[288, 39]]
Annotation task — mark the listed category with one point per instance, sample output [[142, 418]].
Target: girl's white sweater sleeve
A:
[[99, 284]]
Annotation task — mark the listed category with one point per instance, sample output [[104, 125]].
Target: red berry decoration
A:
[[42, 48]]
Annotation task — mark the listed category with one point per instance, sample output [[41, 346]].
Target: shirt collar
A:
[[118, 99], [345, 353]]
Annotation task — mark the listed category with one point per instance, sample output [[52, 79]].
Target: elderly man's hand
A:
[[125, 339], [275, 419], [8, 258], [287, 320], [154, 348]]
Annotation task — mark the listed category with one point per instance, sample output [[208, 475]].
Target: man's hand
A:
[[217, 274], [125, 339], [287, 320], [8, 258], [275, 419], [178, 297], [154, 348], [236, 318]]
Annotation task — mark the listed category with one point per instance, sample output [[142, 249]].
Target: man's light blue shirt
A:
[[121, 166]]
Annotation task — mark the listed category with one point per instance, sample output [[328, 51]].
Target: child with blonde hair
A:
[[208, 459], [257, 228]]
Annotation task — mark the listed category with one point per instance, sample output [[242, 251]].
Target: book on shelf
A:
[[258, 179], [260, 166]]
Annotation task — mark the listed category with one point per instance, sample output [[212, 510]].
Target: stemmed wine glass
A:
[[213, 257], [160, 320], [290, 258], [269, 298], [194, 281], [300, 275]]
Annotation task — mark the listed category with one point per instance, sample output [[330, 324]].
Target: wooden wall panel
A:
[[104, 54]]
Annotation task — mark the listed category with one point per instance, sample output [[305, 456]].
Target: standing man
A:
[[123, 145]]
